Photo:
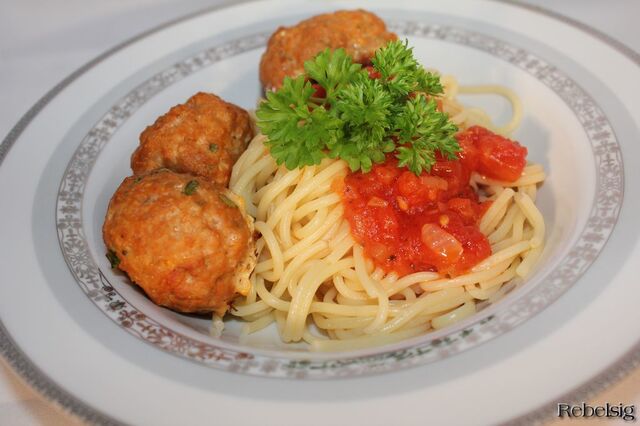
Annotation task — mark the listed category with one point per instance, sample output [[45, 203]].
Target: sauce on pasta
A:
[[408, 223]]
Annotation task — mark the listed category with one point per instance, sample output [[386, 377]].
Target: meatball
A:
[[359, 32], [187, 242], [205, 136]]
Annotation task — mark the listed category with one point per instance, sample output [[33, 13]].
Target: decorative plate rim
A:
[[41, 382]]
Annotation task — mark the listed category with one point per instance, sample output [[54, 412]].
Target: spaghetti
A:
[[313, 279]]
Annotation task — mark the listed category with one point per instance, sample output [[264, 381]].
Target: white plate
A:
[[561, 121], [577, 124]]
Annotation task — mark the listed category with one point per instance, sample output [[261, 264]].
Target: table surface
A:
[[41, 42]]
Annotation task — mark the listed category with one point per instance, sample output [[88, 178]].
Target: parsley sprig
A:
[[359, 115]]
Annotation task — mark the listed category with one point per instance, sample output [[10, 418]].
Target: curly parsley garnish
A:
[[340, 110]]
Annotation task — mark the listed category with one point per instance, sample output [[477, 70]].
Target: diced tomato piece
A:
[[467, 209], [474, 133], [366, 186], [376, 223], [408, 184], [434, 182], [387, 175], [421, 189], [452, 171], [501, 158], [468, 153], [319, 93], [470, 210], [494, 156], [498, 157], [373, 73]]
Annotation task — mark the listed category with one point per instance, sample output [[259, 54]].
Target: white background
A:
[[43, 41]]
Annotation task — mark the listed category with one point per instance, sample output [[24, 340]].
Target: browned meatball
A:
[[359, 32], [205, 136], [185, 241]]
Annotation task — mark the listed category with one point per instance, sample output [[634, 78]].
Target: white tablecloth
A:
[[41, 42]]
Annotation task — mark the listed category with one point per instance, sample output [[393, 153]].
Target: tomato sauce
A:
[[408, 223]]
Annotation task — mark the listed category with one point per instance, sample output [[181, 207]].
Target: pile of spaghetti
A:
[[324, 276]]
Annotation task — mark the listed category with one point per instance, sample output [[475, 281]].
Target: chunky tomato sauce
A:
[[408, 223]]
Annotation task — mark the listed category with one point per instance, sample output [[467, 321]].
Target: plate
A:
[[558, 124], [71, 156]]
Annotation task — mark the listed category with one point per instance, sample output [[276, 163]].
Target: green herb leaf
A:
[[297, 133], [363, 107], [360, 119], [421, 131], [191, 187], [401, 73], [213, 147], [331, 69], [429, 82], [113, 258]]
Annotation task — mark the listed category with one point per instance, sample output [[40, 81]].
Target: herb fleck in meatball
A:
[[185, 241], [204, 136], [359, 32]]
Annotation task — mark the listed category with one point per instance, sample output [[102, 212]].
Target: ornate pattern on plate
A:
[[602, 219]]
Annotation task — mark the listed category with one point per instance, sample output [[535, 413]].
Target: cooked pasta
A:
[[314, 280]]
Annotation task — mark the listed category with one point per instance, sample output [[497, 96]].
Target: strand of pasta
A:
[[301, 302], [373, 289], [510, 95]]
